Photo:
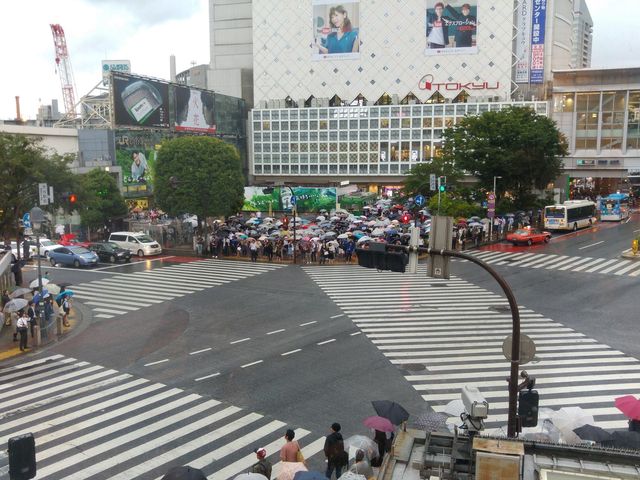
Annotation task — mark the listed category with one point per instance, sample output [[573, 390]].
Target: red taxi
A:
[[528, 236], [70, 240]]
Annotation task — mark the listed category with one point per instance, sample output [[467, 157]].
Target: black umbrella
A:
[[391, 410], [593, 433], [624, 439], [184, 473]]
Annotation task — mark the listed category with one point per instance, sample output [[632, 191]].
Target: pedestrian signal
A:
[[528, 408]]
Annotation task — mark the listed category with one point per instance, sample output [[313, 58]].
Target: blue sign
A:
[[538, 20], [26, 220], [419, 200], [293, 199]]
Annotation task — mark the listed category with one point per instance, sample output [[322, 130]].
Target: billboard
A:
[[194, 110], [336, 30], [108, 66], [538, 20], [451, 28], [308, 199], [140, 102], [523, 41], [136, 152]]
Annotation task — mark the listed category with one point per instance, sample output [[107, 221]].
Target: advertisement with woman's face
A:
[[451, 27], [336, 30]]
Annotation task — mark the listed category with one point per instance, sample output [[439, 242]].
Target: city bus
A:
[[615, 207], [570, 215]]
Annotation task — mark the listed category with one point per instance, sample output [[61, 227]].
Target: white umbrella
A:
[[454, 408], [334, 219], [343, 235], [15, 305], [357, 221], [34, 284], [268, 219], [377, 232], [262, 238], [364, 443], [321, 218], [372, 223], [53, 289], [364, 239]]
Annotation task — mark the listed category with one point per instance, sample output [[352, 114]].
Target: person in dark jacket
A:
[[263, 466], [465, 25], [334, 451]]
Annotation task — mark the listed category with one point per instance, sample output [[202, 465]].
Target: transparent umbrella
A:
[[289, 469], [361, 442]]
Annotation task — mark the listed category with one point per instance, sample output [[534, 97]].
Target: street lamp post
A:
[[495, 177], [294, 211], [37, 219]]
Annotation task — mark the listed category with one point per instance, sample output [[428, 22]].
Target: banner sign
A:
[[523, 41], [539, 15], [306, 199], [336, 30], [194, 110], [451, 27], [121, 66]]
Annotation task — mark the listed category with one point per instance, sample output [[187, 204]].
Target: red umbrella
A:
[[629, 405], [379, 423]]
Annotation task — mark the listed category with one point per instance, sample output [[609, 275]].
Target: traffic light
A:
[[405, 218], [528, 407], [285, 222], [72, 198], [442, 184]]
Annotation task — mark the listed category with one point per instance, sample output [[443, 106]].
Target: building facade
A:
[[583, 36]]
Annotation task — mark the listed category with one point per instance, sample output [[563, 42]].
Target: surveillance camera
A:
[[474, 403]]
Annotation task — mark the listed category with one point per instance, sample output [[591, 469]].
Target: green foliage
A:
[[454, 207], [24, 163], [99, 199], [522, 147], [207, 173], [417, 181]]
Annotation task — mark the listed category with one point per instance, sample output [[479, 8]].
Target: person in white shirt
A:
[[23, 325]]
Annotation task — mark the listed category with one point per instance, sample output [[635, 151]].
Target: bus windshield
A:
[[554, 212]]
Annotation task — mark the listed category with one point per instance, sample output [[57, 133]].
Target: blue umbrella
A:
[[66, 293], [309, 476], [38, 296]]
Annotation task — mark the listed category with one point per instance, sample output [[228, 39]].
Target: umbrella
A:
[[475, 224], [352, 476], [364, 443], [262, 238], [629, 405], [377, 232], [379, 423], [250, 476], [593, 433], [474, 219], [391, 410], [66, 293], [343, 236], [15, 305], [184, 473], [53, 289], [431, 421], [18, 292], [334, 219], [34, 283], [624, 439], [36, 297], [454, 408], [363, 239], [568, 418], [288, 470], [302, 475], [392, 231]]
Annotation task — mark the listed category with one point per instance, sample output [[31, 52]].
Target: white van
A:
[[139, 243]]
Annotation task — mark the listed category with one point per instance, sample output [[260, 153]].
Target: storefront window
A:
[[633, 125], [612, 120], [587, 111], [563, 102]]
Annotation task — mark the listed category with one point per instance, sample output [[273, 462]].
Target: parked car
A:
[[110, 252], [528, 236], [71, 240], [139, 243], [46, 246], [76, 256]]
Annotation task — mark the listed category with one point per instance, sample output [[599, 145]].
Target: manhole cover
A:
[[414, 367]]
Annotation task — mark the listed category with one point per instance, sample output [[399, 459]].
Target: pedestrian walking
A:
[[263, 466], [253, 247], [289, 451], [33, 321], [23, 325], [66, 309], [334, 451], [361, 466], [48, 315]]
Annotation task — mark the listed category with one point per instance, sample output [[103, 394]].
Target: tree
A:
[[522, 147], [199, 175], [418, 178], [24, 163], [453, 207], [100, 199]]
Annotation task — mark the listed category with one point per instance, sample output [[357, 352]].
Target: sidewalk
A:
[[10, 349]]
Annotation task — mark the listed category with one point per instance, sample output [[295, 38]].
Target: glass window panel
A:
[[323, 124], [333, 124], [395, 123], [266, 125], [384, 123]]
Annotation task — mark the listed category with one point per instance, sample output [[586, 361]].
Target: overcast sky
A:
[[146, 32]]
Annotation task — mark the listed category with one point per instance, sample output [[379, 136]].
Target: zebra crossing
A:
[[562, 263], [445, 334], [123, 293], [94, 422]]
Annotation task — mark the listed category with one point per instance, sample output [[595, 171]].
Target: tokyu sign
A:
[[428, 82], [119, 66]]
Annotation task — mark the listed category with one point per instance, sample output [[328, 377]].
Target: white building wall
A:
[[56, 140], [392, 52]]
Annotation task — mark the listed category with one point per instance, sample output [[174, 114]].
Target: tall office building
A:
[[582, 35]]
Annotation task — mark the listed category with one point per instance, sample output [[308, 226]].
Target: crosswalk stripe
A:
[[601, 265], [628, 268], [615, 265], [422, 324], [587, 265], [132, 428], [4, 386], [131, 284]]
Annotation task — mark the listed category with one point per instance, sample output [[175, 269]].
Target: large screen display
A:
[[307, 199], [194, 110], [336, 30], [139, 102], [451, 27], [136, 152]]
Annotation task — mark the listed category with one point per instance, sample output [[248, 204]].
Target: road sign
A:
[[432, 182], [419, 200], [527, 348], [26, 220], [43, 193], [293, 200], [491, 197], [491, 205]]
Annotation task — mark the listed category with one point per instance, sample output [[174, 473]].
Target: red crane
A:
[[63, 65]]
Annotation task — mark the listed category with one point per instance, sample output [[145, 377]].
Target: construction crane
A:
[[63, 66]]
